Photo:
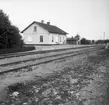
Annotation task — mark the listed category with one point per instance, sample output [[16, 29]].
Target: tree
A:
[[85, 41], [93, 41], [9, 34], [102, 41], [106, 41]]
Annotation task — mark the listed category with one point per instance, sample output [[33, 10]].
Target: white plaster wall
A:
[[62, 39], [57, 38], [31, 37]]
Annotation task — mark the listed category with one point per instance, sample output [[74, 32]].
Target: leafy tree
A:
[[102, 41], [93, 41], [106, 41], [85, 41], [9, 34]]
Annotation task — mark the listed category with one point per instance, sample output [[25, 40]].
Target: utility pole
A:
[[104, 36]]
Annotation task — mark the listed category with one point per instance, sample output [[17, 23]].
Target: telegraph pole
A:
[[104, 36]]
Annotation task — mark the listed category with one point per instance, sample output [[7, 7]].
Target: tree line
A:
[[78, 40], [9, 33]]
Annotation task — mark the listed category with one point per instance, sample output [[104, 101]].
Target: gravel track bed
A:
[[43, 50], [20, 65], [27, 75], [81, 80], [37, 56], [27, 57]]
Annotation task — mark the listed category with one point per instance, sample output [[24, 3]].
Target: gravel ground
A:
[[81, 80]]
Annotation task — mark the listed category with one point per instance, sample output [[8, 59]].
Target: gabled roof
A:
[[49, 28]]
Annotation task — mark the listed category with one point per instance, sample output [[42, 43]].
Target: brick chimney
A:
[[42, 21], [48, 23]]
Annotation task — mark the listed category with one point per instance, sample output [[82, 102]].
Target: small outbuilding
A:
[[43, 33]]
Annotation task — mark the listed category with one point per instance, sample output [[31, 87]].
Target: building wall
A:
[[53, 38], [33, 37], [62, 39], [57, 38]]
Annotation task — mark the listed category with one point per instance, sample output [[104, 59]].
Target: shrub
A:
[[17, 49]]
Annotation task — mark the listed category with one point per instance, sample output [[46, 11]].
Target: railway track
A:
[[39, 57], [10, 55], [19, 65], [33, 57]]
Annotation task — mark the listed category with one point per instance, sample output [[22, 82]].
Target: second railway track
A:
[[18, 65]]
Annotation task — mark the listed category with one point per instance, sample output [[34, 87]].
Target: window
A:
[[60, 38], [52, 39], [35, 28], [29, 39], [41, 38], [63, 38]]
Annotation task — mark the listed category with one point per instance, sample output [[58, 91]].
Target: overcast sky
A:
[[90, 18]]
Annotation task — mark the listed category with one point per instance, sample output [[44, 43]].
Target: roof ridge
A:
[[45, 23]]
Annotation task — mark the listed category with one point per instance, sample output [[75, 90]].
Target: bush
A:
[[85, 41], [18, 49]]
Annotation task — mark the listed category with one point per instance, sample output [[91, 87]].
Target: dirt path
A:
[[81, 80]]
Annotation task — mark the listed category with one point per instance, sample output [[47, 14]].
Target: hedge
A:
[[18, 49]]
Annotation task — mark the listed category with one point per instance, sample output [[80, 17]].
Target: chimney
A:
[[42, 21], [48, 23]]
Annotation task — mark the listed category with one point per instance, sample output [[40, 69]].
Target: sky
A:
[[88, 18]]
